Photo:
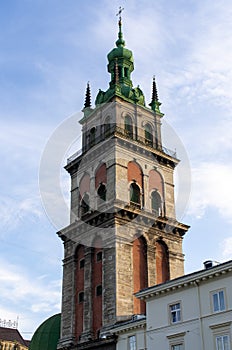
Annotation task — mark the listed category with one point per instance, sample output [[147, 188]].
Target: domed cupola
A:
[[121, 62], [120, 66], [47, 335]]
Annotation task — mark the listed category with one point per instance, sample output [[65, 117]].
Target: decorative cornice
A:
[[128, 326], [187, 281], [176, 335], [220, 325]]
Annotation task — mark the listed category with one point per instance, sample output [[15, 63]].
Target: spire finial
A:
[[154, 100], [154, 91], [87, 96], [119, 13], [120, 41]]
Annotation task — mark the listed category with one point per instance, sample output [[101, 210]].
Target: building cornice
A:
[[128, 326], [186, 281]]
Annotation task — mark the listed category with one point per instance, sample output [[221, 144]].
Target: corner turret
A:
[[87, 106], [155, 104]]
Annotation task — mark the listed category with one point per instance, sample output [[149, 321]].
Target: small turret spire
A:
[[87, 96], [154, 100], [154, 91]]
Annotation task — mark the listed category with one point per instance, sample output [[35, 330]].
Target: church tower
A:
[[123, 234]]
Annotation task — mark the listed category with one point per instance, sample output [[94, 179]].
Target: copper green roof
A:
[[47, 334], [120, 66]]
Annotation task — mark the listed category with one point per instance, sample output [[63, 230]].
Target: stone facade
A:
[[116, 221], [122, 206]]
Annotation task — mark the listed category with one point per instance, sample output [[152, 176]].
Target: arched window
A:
[[100, 182], [102, 192], [135, 194], [148, 135], [162, 262], [140, 272], [92, 136], [156, 203], [84, 204], [107, 126], [128, 125]]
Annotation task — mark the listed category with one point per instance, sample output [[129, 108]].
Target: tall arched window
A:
[[156, 203], [140, 274], [92, 136], [102, 192], [148, 135], [162, 262], [128, 125], [101, 182], [135, 195], [107, 126], [156, 188], [84, 207]]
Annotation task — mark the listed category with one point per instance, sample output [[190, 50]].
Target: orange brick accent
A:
[[134, 172], [79, 288], [101, 175], [84, 185], [96, 300], [139, 272], [162, 264], [155, 181]]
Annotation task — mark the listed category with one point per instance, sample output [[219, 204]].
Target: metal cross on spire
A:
[[119, 13]]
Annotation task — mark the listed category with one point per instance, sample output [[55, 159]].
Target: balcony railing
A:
[[117, 131]]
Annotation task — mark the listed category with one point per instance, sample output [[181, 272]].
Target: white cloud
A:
[[14, 211], [25, 289], [30, 298], [211, 188], [226, 247]]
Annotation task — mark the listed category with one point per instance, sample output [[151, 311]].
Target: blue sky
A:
[[49, 50]]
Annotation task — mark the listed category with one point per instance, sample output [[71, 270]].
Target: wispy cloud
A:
[[34, 295], [210, 188]]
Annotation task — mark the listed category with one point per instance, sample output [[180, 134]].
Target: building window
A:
[[148, 135], [135, 194], [99, 290], [132, 342], [92, 136], [102, 192], [82, 263], [218, 301], [156, 205], [107, 126], [85, 204], [81, 297], [99, 256], [222, 342], [128, 126], [175, 313], [177, 347]]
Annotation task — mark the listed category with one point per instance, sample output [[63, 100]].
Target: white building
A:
[[187, 313]]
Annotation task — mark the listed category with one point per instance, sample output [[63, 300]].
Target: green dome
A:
[[47, 334], [120, 52], [120, 66]]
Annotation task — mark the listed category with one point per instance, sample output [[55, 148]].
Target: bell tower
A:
[[123, 234]]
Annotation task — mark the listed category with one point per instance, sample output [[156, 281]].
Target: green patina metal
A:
[[120, 66], [155, 104], [47, 335]]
